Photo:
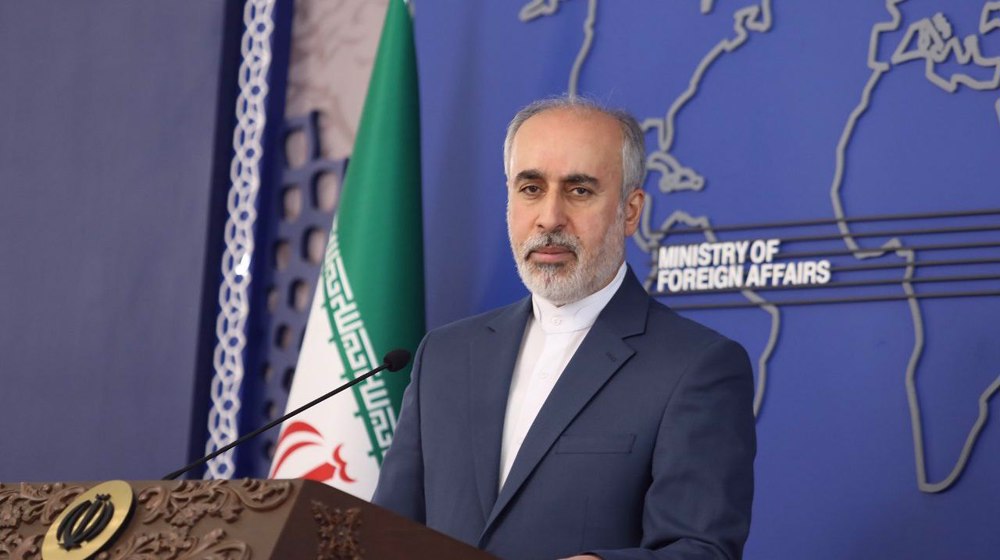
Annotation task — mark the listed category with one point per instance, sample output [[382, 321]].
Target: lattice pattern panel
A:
[[301, 214]]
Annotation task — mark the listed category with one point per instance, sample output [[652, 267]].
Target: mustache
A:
[[551, 239]]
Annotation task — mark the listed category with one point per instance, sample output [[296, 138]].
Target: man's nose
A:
[[551, 212]]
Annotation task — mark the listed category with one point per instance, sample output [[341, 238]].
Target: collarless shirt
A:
[[551, 337]]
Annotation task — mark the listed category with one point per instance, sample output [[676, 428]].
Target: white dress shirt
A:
[[551, 337]]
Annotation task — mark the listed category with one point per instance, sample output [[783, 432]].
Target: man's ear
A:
[[633, 210]]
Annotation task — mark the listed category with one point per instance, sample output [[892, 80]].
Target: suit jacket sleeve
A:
[[698, 505], [401, 481]]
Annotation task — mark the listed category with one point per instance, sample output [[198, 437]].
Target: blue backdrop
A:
[[114, 146], [761, 113]]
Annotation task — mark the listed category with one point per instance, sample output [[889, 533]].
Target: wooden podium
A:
[[218, 520]]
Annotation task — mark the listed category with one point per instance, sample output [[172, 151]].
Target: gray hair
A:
[[633, 140]]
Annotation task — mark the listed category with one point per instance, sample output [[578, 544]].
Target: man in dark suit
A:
[[587, 419]]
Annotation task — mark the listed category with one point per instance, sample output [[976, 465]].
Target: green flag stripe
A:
[[376, 239], [356, 352]]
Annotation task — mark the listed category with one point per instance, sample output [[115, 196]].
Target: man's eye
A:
[[580, 191], [530, 189]]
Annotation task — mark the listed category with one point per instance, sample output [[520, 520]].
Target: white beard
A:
[[562, 283]]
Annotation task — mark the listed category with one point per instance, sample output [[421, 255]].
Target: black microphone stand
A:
[[395, 360]]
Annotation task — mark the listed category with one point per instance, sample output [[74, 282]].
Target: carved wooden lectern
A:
[[220, 520]]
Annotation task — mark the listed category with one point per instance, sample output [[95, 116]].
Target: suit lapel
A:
[[492, 359], [602, 353]]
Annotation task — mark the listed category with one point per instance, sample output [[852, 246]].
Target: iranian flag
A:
[[369, 298]]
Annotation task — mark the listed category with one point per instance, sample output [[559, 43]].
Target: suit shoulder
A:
[[464, 326], [687, 331]]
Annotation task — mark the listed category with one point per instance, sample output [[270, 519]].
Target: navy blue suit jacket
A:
[[644, 448]]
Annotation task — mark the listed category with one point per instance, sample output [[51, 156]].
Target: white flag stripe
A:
[[339, 421]]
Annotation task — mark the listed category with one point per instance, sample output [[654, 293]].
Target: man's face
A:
[[565, 220]]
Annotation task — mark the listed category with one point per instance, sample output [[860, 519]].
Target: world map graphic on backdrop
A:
[[930, 87]]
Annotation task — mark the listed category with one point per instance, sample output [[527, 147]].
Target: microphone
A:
[[394, 360]]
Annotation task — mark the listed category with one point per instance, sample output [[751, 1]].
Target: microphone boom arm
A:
[[393, 361]]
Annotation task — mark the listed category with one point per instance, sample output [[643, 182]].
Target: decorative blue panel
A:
[[300, 214]]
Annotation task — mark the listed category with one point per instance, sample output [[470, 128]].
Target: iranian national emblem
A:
[[85, 522], [299, 444], [90, 523]]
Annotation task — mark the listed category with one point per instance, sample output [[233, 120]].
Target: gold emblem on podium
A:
[[90, 523]]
